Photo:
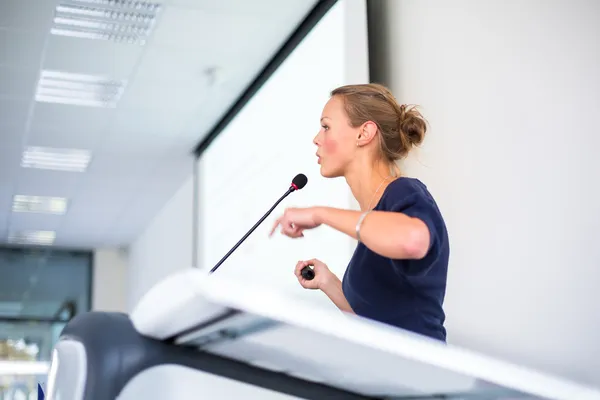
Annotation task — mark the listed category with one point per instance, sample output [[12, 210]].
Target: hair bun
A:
[[412, 125], [400, 127]]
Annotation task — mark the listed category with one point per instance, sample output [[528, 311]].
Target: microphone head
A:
[[299, 181]]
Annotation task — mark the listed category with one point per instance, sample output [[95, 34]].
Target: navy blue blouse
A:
[[408, 294]]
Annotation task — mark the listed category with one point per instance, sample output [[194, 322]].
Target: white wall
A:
[[109, 287], [165, 246], [512, 93]]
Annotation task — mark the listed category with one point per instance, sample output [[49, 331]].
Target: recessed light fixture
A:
[[79, 89], [44, 238], [125, 21], [39, 204], [70, 160]]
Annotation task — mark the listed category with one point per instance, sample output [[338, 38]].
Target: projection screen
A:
[[253, 160]]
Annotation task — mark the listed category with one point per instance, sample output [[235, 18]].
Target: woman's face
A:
[[336, 140]]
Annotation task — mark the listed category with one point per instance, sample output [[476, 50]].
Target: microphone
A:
[[298, 183]]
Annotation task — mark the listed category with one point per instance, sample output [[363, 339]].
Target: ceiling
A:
[[198, 59]]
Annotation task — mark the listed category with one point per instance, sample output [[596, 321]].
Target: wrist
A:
[[320, 215], [329, 283]]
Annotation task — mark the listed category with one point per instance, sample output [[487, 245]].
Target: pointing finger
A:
[[275, 225]]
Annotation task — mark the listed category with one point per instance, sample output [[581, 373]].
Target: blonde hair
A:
[[401, 127]]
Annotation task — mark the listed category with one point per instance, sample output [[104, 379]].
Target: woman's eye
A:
[[324, 127]]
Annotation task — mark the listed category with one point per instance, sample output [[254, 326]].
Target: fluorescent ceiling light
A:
[[24, 367], [72, 160], [125, 21], [44, 238], [39, 204], [79, 89]]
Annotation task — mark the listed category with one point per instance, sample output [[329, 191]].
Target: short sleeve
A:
[[419, 204]]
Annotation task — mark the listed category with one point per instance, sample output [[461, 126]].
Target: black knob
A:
[[307, 273]]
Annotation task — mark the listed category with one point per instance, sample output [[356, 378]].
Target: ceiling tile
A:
[[6, 196], [10, 157], [101, 193], [72, 118], [5, 206], [21, 48], [92, 57], [68, 136], [109, 165], [18, 81], [94, 206], [13, 112], [177, 66], [147, 122], [27, 15], [138, 144], [94, 221], [12, 139], [165, 96], [37, 182], [211, 111], [256, 7], [34, 222], [196, 30]]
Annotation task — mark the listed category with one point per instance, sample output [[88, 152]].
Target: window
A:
[[40, 291]]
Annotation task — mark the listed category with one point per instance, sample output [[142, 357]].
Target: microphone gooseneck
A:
[[298, 183]]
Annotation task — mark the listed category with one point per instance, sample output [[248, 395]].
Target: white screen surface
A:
[[252, 162]]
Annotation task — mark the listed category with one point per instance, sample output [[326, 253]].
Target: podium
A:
[[191, 326]]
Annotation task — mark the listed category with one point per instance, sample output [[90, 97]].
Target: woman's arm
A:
[[390, 234], [332, 287]]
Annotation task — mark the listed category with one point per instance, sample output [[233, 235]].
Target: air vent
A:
[[70, 160], [79, 89], [44, 238], [123, 21], [39, 204]]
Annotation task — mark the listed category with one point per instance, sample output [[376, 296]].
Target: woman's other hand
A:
[[322, 274]]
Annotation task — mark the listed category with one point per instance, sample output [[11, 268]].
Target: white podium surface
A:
[[278, 333]]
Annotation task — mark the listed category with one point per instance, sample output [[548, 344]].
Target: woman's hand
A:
[[295, 221], [326, 281], [322, 274]]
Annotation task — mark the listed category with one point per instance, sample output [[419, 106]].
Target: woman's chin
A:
[[328, 173]]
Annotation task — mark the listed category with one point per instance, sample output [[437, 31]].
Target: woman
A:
[[397, 274]]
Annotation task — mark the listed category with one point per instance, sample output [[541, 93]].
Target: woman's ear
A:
[[366, 133]]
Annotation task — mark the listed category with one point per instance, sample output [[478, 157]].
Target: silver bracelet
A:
[[359, 223]]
